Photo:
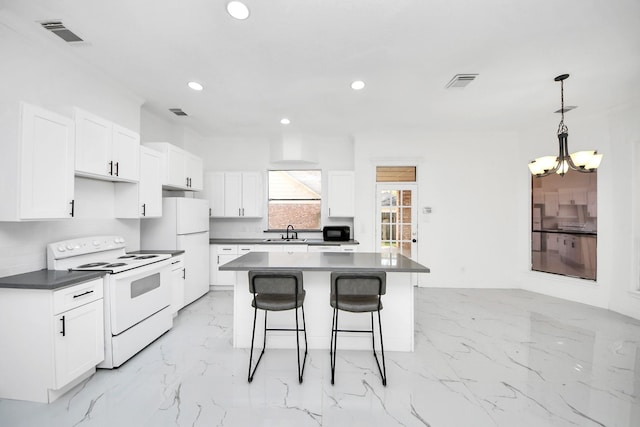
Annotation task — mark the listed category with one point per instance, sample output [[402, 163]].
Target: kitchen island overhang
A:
[[398, 302]]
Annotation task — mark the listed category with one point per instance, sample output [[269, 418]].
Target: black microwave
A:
[[336, 233]]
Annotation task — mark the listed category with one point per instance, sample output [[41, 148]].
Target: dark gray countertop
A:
[[324, 261], [275, 241], [163, 251], [49, 279]]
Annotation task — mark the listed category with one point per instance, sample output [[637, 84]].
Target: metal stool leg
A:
[[334, 344], [383, 370], [264, 344], [304, 330]]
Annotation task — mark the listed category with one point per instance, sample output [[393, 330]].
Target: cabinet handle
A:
[[144, 209], [111, 167], [218, 260], [64, 329], [83, 294], [184, 273], [175, 262], [329, 211], [117, 168], [73, 207], [188, 182], [209, 211]]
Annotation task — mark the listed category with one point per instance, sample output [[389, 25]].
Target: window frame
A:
[[320, 199]]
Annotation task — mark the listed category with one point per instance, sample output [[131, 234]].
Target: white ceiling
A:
[[297, 58]]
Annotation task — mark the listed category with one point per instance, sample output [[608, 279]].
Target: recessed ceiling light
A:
[[285, 121], [238, 10], [195, 86], [357, 85]]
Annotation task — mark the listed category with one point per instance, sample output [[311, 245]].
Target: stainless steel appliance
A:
[[184, 225], [137, 291], [336, 233]]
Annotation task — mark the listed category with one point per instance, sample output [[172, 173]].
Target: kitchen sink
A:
[[284, 240]]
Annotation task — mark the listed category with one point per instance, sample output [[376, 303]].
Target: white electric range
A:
[[137, 291]]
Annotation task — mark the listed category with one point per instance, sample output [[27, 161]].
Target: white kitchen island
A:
[[398, 302]]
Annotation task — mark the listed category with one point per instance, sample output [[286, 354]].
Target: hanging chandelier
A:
[[581, 161]]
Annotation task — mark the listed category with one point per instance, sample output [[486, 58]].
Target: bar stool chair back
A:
[[358, 292], [277, 290]]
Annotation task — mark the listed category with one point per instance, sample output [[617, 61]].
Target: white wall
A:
[[616, 134], [42, 72], [466, 178]]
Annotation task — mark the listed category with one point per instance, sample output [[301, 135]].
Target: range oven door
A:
[[136, 294]]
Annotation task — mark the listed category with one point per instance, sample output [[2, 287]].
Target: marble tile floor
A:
[[483, 358]]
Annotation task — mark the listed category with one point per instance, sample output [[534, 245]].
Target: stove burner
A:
[[115, 264], [146, 256], [93, 264], [126, 256]]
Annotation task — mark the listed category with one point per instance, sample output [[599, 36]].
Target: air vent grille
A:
[[58, 28], [178, 111], [461, 80]]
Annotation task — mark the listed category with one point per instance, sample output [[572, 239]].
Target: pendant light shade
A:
[[581, 161]]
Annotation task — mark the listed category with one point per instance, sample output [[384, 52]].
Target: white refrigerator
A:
[[184, 225]]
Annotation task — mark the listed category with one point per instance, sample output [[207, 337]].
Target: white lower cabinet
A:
[[51, 340], [178, 276], [220, 255]]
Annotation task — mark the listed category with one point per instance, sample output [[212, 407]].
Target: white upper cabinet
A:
[[214, 192], [37, 174], [341, 194], [125, 152], [234, 194], [143, 200], [150, 186], [181, 170], [105, 150]]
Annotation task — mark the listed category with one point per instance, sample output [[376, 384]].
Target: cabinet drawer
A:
[[227, 250], [243, 249], [177, 262], [77, 295], [324, 248]]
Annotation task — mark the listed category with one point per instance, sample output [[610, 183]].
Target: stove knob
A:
[[61, 248], [70, 247], [96, 243]]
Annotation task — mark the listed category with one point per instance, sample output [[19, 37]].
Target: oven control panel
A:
[[83, 246]]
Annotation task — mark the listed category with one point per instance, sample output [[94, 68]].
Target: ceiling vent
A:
[[461, 80], [58, 28], [178, 111]]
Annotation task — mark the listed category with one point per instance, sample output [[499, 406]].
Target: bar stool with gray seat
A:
[[277, 290], [357, 292]]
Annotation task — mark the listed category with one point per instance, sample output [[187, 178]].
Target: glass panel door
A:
[[396, 219]]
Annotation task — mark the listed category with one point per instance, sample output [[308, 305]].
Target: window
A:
[[564, 224], [294, 199]]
